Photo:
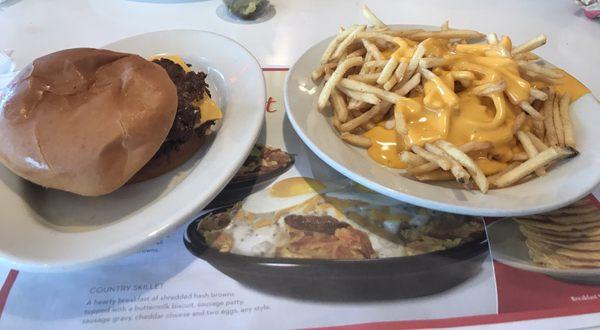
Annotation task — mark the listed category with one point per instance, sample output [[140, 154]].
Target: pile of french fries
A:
[[362, 86]]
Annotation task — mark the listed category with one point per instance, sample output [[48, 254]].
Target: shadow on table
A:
[[8, 3]]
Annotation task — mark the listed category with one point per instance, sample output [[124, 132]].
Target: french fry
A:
[[356, 140], [445, 26], [367, 126], [525, 57], [549, 119], [390, 83], [402, 32], [478, 176], [357, 53], [560, 132], [372, 35], [424, 168], [467, 147], [366, 77], [360, 96], [440, 161], [530, 149], [531, 111], [400, 70], [542, 159], [373, 20], [337, 75], [318, 72], [337, 124], [435, 176], [400, 121], [519, 121], [414, 61], [375, 64], [465, 78], [344, 44], [355, 104], [539, 144], [492, 39], [520, 156], [339, 105], [457, 170], [388, 70], [431, 62], [530, 45], [409, 85], [537, 127], [565, 117], [365, 117], [489, 88], [475, 146], [373, 50], [334, 43], [534, 76], [390, 123], [449, 34], [411, 159], [379, 117], [492, 178], [366, 88], [540, 70], [538, 94]]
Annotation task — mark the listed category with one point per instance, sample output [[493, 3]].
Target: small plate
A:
[[508, 247], [49, 230], [236, 190], [343, 280], [562, 185]]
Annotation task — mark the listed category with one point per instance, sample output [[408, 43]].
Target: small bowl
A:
[[230, 4], [236, 190], [344, 280]]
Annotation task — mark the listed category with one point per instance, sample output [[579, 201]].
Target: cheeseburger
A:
[[89, 120]]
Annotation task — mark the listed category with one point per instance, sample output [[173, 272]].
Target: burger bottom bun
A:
[[165, 162]]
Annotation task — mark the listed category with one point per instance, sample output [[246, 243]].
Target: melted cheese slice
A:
[[209, 110]]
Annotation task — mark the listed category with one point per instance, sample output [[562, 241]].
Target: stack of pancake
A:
[[566, 238]]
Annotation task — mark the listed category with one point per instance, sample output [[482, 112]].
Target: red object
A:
[[270, 102], [520, 291], [5, 290]]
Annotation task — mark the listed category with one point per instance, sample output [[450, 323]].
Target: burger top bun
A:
[[85, 120]]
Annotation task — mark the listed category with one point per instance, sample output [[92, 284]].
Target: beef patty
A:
[[191, 87], [322, 224]]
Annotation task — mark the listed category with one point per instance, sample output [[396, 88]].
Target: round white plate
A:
[[508, 247], [49, 230], [562, 185]]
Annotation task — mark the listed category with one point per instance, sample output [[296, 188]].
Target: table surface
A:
[[31, 28]]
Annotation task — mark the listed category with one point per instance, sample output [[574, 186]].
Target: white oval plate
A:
[[508, 247], [562, 185], [49, 230]]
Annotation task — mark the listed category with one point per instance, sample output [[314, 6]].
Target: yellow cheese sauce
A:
[[459, 116], [567, 84], [295, 186], [384, 149]]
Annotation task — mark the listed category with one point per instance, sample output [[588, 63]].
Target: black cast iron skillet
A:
[[346, 280]]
